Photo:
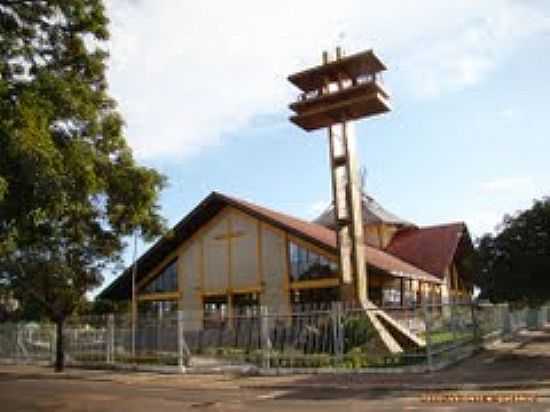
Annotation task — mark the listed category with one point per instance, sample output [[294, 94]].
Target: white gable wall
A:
[[233, 253]]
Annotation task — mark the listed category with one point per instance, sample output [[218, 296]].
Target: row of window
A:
[[304, 265], [216, 308], [307, 265], [391, 296]]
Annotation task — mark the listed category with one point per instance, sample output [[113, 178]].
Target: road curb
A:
[[513, 385]]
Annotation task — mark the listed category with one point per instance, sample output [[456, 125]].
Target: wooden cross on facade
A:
[[230, 235]]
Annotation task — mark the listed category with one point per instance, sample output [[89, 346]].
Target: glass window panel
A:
[[306, 264], [173, 278], [166, 281], [294, 260]]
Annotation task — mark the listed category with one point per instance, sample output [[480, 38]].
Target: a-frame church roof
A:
[[432, 248], [314, 233], [373, 213]]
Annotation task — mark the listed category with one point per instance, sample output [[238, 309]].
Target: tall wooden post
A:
[[335, 94], [348, 211]]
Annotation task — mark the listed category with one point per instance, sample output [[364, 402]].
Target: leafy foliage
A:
[[358, 332], [514, 265], [70, 189]]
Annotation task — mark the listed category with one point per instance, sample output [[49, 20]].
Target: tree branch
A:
[[17, 2], [30, 291]]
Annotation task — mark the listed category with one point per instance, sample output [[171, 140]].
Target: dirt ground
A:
[[506, 371]]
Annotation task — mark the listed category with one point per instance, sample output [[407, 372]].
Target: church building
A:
[[228, 255]]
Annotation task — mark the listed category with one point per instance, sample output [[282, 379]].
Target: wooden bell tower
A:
[[334, 94]]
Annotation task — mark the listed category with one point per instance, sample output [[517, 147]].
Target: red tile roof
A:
[[319, 234], [327, 238], [431, 248], [315, 233], [396, 266]]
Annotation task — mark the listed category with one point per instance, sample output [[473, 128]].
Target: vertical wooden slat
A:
[[259, 254], [402, 297]]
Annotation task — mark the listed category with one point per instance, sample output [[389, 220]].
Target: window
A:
[[158, 308], [391, 297], [215, 311], [409, 295], [166, 280], [391, 293], [245, 303], [306, 264], [314, 296]]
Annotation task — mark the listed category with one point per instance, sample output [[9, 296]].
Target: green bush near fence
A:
[[446, 336], [319, 360], [142, 359], [358, 332]]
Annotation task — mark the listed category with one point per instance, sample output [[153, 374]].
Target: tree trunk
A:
[[59, 347]]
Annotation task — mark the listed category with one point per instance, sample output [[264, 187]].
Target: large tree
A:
[[70, 190], [514, 263]]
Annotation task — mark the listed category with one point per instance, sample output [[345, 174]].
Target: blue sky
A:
[[204, 93]]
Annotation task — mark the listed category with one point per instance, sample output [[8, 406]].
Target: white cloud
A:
[[494, 198], [483, 221], [510, 113], [469, 54], [508, 185], [189, 73], [486, 202]]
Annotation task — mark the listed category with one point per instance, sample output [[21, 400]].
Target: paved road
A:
[[517, 368], [28, 393]]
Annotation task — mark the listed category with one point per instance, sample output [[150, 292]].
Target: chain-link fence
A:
[[310, 336], [30, 342]]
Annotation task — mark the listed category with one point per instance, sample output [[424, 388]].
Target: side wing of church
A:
[[230, 255]]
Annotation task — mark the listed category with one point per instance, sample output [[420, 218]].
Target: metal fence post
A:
[[506, 320], [428, 326], [110, 338], [53, 344], [475, 322], [540, 318], [266, 341], [544, 315], [337, 333], [107, 338], [532, 318], [454, 320], [184, 353]]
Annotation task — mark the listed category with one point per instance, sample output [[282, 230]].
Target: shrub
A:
[[357, 332]]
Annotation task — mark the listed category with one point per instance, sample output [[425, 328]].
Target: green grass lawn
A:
[[442, 337]]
